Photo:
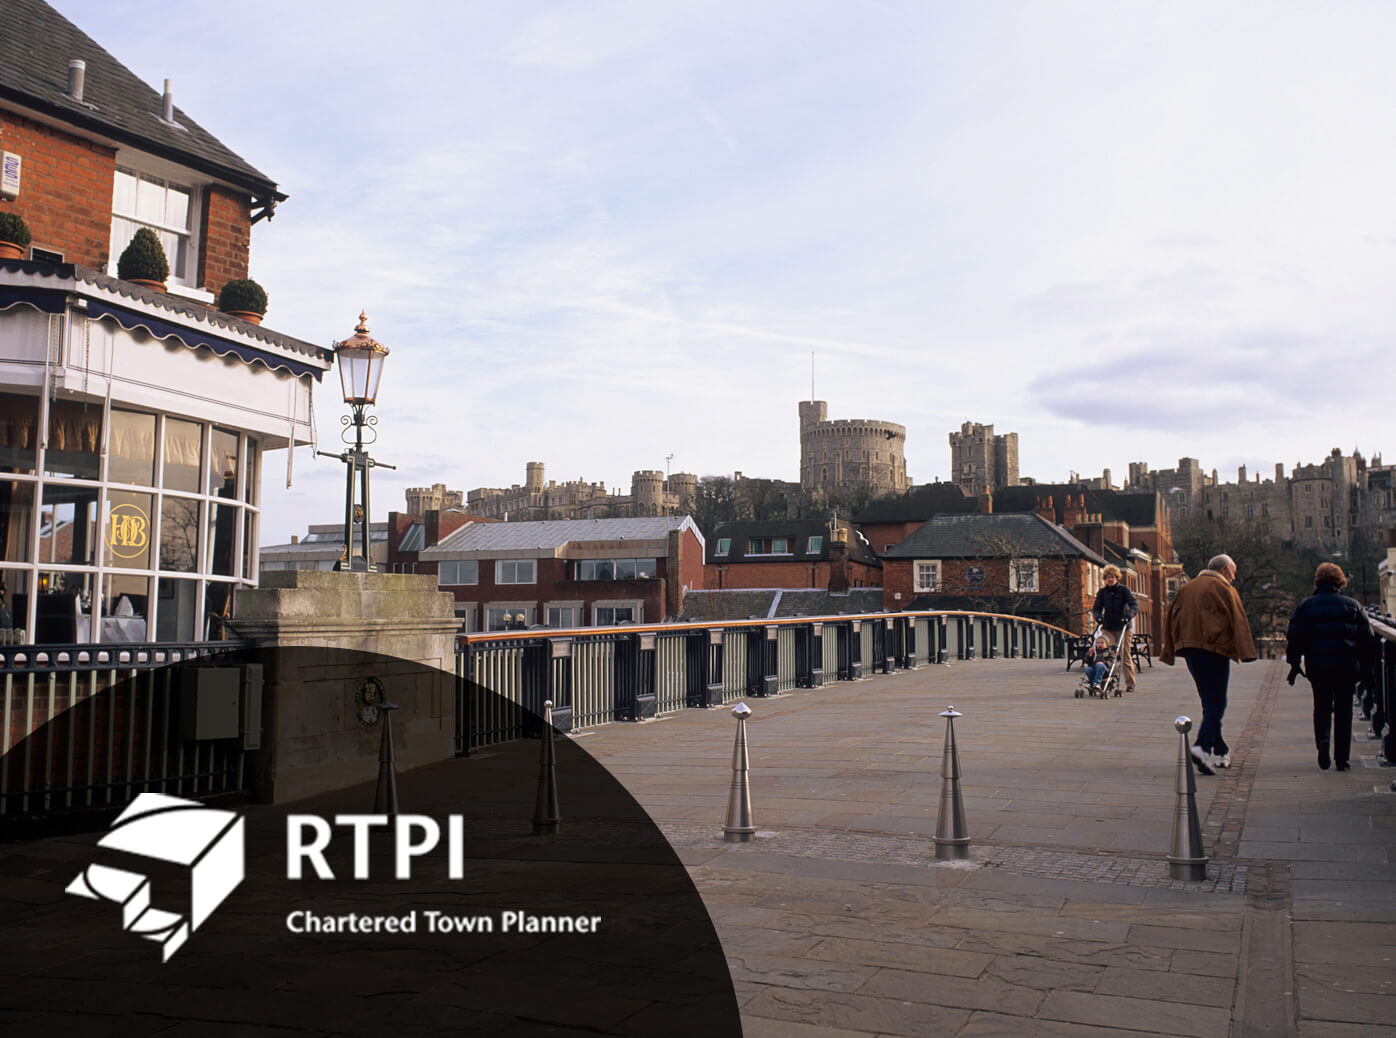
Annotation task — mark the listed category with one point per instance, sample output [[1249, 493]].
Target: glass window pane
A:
[[74, 433], [179, 534], [254, 472], [220, 539], [223, 463], [125, 606], [19, 432], [177, 207], [646, 567], [218, 606], [150, 201], [625, 569], [16, 520], [131, 451], [124, 195], [128, 530], [15, 602], [63, 608], [182, 442], [175, 614], [249, 542], [68, 525]]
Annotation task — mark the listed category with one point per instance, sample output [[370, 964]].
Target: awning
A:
[[194, 339]]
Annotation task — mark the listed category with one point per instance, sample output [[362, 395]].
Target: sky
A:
[[600, 234]]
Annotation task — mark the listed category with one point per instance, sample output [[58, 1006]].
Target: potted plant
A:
[[14, 236], [243, 298], [144, 261]]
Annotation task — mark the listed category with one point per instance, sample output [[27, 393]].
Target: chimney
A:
[[295, 538], [77, 73], [838, 561], [673, 575], [986, 501], [167, 111], [1045, 509], [1075, 510]]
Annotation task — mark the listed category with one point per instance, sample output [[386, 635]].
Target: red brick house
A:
[[785, 553], [568, 572], [1018, 564], [889, 521]]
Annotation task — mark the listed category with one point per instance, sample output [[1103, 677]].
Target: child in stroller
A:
[[1098, 674]]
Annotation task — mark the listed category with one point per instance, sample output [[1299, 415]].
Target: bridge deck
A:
[[837, 919]]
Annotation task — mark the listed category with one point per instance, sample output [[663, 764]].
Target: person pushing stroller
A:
[[1114, 611]]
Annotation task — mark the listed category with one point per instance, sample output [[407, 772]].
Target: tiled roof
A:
[[798, 530], [36, 45], [918, 503], [1134, 507], [551, 534], [998, 535]]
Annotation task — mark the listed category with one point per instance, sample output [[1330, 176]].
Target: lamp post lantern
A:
[[360, 358]]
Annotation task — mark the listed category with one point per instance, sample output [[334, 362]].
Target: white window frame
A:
[[1016, 568], [509, 608], [919, 584], [636, 607], [514, 564], [724, 546], [815, 545], [165, 177], [448, 573]]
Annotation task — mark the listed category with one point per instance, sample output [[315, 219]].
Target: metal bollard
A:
[[385, 796], [952, 831], [1186, 860], [739, 827], [546, 818]]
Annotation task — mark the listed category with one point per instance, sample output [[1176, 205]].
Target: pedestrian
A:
[[1207, 626], [1096, 665], [1115, 607], [1329, 634]]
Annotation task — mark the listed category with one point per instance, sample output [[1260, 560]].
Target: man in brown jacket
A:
[[1207, 626]]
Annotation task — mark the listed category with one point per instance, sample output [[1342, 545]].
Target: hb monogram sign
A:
[[128, 531]]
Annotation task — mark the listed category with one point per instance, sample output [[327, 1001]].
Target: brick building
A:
[[790, 553], [850, 454], [567, 572], [110, 436], [1018, 564]]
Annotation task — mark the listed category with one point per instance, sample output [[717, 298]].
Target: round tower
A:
[[647, 492]]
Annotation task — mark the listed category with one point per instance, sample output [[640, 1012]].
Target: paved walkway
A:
[[838, 920]]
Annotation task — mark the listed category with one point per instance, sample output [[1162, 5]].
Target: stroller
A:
[[1108, 655]]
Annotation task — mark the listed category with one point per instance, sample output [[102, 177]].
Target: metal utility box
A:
[[210, 703]]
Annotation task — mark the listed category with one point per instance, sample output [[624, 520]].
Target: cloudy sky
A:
[[596, 234]]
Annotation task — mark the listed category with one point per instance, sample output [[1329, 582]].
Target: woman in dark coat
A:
[[1329, 632]]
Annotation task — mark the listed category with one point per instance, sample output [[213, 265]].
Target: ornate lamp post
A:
[[360, 359]]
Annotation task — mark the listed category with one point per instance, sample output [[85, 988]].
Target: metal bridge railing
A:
[[597, 676], [86, 727]]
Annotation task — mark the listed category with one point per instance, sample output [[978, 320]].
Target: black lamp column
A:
[[360, 360]]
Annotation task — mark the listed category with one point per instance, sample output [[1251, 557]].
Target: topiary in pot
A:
[[144, 261], [243, 298], [14, 236]]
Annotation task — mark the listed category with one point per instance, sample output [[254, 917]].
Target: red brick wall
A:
[[691, 570], [719, 576], [66, 198], [65, 193], [1063, 580], [225, 236], [880, 535]]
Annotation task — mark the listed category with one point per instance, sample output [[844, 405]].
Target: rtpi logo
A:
[[196, 851]]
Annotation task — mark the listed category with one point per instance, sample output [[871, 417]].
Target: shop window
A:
[[128, 530], [131, 448], [19, 428], [74, 435], [183, 448], [16, 520], [179, 534]]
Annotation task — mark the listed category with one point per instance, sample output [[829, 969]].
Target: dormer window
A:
[[167, 208]]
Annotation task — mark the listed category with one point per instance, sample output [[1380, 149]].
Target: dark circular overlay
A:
[[593, 929]]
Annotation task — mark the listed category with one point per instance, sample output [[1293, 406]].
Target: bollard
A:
[[1186, 860], [385, 796], [545, 810], [739, 827], [952, 831]]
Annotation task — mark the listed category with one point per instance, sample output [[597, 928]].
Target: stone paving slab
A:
[[1065, 920]]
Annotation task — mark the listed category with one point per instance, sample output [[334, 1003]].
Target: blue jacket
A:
[[1330, 633]]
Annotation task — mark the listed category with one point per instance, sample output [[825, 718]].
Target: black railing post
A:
[[770, 680], [855, 650]]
